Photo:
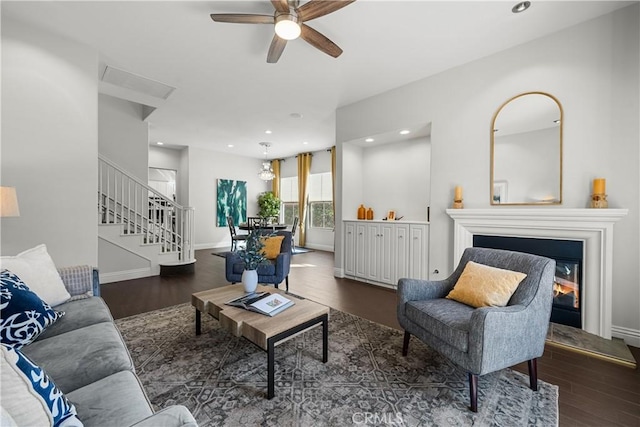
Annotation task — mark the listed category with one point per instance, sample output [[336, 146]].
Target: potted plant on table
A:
[[269, 205], [252, 256]]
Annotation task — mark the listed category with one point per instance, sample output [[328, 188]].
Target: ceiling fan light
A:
[[287, 27]]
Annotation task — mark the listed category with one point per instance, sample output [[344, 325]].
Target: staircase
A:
[[141, 221]]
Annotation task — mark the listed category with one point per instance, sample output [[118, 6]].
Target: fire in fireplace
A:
[[568, 254]]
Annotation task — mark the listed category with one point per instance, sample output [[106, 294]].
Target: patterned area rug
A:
[[223, 379]]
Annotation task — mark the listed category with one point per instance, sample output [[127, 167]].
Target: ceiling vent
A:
[[136, 83]]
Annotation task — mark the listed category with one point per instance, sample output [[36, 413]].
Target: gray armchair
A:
[[486, 339]]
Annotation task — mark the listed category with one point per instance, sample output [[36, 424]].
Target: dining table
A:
[[273, 227]]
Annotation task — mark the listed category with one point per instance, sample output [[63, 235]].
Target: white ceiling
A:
[[226, 93]]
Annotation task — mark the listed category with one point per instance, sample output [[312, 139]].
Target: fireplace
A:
[[592, 227], [568, 254]]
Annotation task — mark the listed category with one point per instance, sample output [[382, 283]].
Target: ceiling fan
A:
[[289, 20]]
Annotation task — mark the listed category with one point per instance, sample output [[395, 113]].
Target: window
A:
[[321, 200], [321, 214], [289, 211], [289, 199]]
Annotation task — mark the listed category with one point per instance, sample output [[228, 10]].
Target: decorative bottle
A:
[[370, 214], [362, 212]]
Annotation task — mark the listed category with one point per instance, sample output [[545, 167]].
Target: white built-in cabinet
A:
[[381, 252]]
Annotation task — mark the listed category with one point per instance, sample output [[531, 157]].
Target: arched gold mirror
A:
[[526, 151]]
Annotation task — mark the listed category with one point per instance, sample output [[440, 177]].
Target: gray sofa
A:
[[84, 354]]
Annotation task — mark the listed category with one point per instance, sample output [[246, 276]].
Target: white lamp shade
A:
[[287, 28], [8, 202]]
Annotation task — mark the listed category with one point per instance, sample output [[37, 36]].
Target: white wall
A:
[[169, 158], [164, 158], [114, 261], [183, 184], [593, 69], [50, 143], [395, 177], [123, 136], [205, 168]]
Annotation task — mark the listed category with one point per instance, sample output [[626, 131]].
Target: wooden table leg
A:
[[198, 329]]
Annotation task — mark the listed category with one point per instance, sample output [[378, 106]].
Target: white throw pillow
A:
[[29, 395], [5, 419], [37, 270]]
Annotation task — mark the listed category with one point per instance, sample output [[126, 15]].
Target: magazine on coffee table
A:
[[262, 302]]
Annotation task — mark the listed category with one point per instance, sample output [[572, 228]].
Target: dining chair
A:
[[235, 237], [294, 227], [254, 222]]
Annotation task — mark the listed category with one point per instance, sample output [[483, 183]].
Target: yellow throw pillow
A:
[[272, 245], [480, 285]]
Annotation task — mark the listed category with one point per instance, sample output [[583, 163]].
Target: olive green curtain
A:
[[275, 182], [333, 181], [304, 166]]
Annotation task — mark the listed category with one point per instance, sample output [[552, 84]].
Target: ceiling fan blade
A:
[[319, 41], [281, 5], [317, 8], [243, 18], [276, 48]]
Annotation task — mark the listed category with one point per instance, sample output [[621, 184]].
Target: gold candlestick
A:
[[599, 201], [457, 198]]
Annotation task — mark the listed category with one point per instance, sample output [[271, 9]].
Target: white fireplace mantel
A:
[[594, 227]]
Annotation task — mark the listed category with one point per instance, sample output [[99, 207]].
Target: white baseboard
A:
[[325, 248], [200, 246], [630, 336], [118, 276]]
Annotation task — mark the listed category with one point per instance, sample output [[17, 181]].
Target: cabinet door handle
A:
[[400, 237]]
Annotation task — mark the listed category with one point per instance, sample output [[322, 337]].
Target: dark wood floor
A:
[[592, 392]]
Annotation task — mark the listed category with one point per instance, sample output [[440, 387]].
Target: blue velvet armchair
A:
[[486, 339], [273, 272]]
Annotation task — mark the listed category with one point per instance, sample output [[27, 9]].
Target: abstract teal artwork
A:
[[232, 201]]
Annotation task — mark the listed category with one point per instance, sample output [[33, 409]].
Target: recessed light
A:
[[305, 142], [521, 7], [295, 115], [495, 130], [160, 143], [405, 132], [557, 121], [267, 132], [369, 140], [230, 145]]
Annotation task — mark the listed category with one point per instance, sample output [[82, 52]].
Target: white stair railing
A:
[[124, 199]]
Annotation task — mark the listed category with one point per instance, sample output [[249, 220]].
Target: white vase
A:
[[250, 280]]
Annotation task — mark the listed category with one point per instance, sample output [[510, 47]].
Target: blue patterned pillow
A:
[[30, 396], [24, 314]]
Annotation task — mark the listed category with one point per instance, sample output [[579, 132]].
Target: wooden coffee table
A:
[[264, 331]]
